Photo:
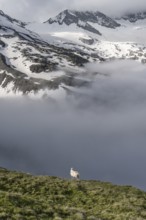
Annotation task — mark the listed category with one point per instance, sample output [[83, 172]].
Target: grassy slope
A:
[[23, 196]]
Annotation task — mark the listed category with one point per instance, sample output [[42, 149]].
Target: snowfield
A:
[[121, 42]]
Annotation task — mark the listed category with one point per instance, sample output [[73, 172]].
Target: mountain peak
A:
[[133, 17], [1, 12], [69, 17]]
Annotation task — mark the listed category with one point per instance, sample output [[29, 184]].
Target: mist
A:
[[42, 10], [99, 130]]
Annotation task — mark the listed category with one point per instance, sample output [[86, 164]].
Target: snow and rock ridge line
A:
[[82, 19], [133, 17], [51, 55], [12, 20]]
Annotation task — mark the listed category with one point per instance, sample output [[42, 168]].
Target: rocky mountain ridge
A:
[[69, 16], [82, 19], [12, 20], [133, 17], [44, 56]]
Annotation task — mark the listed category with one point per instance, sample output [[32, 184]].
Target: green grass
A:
[[23, 196]]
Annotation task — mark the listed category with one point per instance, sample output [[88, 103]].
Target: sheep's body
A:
[[75, 174]]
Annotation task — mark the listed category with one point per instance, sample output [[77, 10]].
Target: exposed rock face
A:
[[42, 67], [133, 17], [21, 82], [68, 17], [88, 27], [82, 19]]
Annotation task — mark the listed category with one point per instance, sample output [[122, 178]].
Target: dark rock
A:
[[88, 27], [2, 44], [133, 17], [69, 17], [38, 68], [87, 41]]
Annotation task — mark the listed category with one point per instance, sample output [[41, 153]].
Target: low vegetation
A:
[[27, 197]]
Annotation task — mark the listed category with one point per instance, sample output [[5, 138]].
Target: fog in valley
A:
[[99, 130]]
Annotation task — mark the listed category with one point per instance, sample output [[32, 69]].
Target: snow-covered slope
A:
[[125, 41], [29, 63], [5, 18], [51, 55]]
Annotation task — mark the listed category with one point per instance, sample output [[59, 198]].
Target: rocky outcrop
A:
[[89, 41], [82, 19], [133, 17], [69, 17]]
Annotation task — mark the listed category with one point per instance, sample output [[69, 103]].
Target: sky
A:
[[41, 10], [101, 131]]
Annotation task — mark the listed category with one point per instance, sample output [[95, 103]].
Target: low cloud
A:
[[99, 130], [41, 10]]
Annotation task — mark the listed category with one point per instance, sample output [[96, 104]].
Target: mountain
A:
[[24, 55], [75, 17], [36, 58], [11, 20], [133, 17], [82, 19], [24, 196], [118, 38]]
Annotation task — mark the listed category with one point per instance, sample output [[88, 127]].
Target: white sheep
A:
[[75, 174]]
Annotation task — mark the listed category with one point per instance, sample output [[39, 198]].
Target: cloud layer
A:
[[101, 130], [41, 10]]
